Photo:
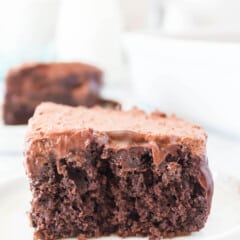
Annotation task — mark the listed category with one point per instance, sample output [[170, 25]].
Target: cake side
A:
[[98, 181], [68, 83]]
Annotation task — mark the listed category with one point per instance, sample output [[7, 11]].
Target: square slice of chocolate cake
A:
[[66, 83], [96, 172]]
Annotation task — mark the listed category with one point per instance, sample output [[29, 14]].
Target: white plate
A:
[[223, 223]]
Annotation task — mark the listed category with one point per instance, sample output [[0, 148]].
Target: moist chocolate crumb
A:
[[125, 194]]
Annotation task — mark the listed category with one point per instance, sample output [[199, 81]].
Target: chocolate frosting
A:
[[50, 118]]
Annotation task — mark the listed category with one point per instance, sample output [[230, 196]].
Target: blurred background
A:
[[181, 56]]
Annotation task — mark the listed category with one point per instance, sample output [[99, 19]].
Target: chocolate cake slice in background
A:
[[67, 83], [96, 172]]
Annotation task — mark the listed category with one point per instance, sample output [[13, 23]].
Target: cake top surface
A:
[[50, 118], [54, 68]]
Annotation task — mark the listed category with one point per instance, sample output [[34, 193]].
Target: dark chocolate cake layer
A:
[[67, 83], [95, 172]]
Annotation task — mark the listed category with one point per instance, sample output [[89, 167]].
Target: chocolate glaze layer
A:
[[55, 118]]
